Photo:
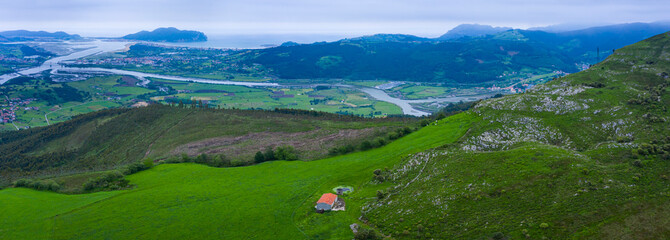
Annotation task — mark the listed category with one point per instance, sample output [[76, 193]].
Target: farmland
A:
[[102, 92]]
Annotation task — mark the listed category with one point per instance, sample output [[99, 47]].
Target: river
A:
[[97, 47]]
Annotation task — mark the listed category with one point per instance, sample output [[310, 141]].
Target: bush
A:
[[219, 161], [202, 159], [185, 158], [148, 163], [498, 236], [135, 167], [286, 153], [108, 181], [366, 145], [379, 142], [42, 185], [544, 225], [173, 159], [269, 154], [366, 234], [259, 158], [380, 195], [394, 135]]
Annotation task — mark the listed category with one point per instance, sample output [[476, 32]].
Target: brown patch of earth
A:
[[310, 145]]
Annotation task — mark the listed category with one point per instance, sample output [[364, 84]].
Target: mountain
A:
[[25, 35], [585, 156], [475, 61], [389, 38], [471, 30], [564, 27], [168, 35], [464, 61]]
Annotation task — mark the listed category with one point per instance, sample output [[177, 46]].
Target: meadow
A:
[[268, 200]]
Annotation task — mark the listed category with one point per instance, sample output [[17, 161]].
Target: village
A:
[[9, 108]]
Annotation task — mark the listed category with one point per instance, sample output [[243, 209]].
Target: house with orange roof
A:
[[326, 202]]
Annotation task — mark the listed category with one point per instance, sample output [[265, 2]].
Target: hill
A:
[[390, 38], [204, 202], [25, 35], [584, 156], [109, 138], [471, 60], [168, 35], [471, 30]]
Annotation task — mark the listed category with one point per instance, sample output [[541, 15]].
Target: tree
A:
[[269, 154], [260, 157], [286, 153]]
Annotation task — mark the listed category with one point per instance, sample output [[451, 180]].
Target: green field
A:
[[195, 201], [108, 92]]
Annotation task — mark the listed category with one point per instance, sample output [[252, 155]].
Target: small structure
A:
[[342, 190], [326, 202]]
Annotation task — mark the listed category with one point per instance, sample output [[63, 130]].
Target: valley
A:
[[513, 134]]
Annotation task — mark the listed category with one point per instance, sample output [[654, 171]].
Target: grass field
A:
[[108, 92], [270, 200]]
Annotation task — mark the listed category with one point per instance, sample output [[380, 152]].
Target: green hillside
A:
[[585, 156], [107, 139], [273, 199]]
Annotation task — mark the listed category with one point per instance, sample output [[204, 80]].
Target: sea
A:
[[256, 41]]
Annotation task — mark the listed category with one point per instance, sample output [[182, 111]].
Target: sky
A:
[[427, 18]]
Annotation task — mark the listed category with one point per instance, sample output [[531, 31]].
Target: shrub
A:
[[42, 185], [380, 195], [366, 145], [269, 154], [637, 163], [379, 142], [185, 157], [544, 225], [219, 161], [286, 153], [148, 163], [366, 234], [394, 135], [134, 167], [202, 159], [498, 236], [259, 158], [377, 172], [111, 181], [173, 159]]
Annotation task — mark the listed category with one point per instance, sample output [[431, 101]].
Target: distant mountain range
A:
[[471, 30], [169, 34], [25, 35], [480, 54]]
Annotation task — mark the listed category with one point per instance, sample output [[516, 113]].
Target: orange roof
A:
[[327, 198]]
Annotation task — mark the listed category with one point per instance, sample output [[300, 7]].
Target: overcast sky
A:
[[427, 18]]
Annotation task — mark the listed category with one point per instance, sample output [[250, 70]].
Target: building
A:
[[326, 202]]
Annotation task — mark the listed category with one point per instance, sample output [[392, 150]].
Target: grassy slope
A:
[[270, 200], [556, 155], [160, 132]]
